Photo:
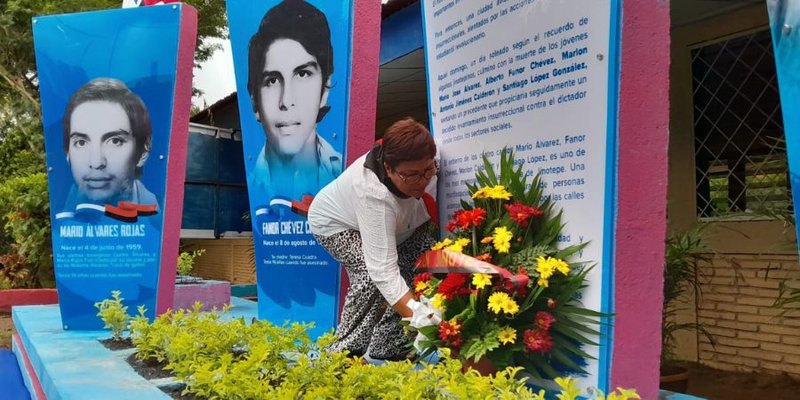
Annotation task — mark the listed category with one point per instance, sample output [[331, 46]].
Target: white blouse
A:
[[358, 200]]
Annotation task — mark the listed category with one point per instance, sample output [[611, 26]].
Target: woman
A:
[[373, 221]]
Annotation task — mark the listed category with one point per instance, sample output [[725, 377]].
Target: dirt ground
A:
[[714, 384], [6, 328]]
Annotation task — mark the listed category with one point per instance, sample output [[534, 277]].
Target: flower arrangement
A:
[[515, 299]]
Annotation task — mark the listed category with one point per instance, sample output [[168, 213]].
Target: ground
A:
[[704, 382], [713, 384], [6, 328]]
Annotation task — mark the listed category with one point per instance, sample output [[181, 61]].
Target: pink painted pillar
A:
[[363, 89], [176, 172], [642, 195]]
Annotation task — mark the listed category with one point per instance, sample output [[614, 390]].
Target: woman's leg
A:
[[363, 305], [389, 341]]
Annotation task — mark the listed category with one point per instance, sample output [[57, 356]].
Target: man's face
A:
[[102, 150], [291, 96]]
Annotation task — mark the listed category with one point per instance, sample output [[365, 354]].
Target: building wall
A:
[[225, 259], [752, 257], [736, 309]]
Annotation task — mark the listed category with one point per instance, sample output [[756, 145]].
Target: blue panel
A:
[[216, 192], [785, 25], [293, 143], [233, 205], [199, 206], [231, 161], [402, 33], [201, 159], [119, 66]]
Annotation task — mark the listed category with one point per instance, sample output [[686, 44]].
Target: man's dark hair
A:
[[407, 140], [294, 20], [113, 91]]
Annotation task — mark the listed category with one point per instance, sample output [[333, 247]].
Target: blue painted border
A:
[[427, 70], [611, 197]]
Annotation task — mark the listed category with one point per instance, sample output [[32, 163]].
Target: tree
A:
[[21, 136]]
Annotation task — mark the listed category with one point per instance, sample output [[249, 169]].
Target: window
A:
[[740, 154]]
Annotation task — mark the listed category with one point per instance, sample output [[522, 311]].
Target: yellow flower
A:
[[543, 282], [480, 281], [507, 335], [511, 307], [500, 301], [569, 388], [497, 192], [624, 394], [481, 193], [421, 286], [458, 245], [438, 301], [496, 301], [546, 267], [502, 239], [561, 266], [440, 245]]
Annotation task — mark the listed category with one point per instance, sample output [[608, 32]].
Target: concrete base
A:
[[210, 293], [59, 364]]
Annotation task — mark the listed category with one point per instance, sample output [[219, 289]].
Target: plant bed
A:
[[148, 369], [176, 392], [117, 344]]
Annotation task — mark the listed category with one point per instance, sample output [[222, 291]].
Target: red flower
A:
[[423, 277], [450, 333], [453, 284], [451, 226], [464, 219], [551, 304], [521, 213], [544, 320], [485, 257], [536, 340]]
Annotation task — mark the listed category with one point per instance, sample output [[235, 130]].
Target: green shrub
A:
[[114, 314], [25, 219], [231, 359], [186, 261]]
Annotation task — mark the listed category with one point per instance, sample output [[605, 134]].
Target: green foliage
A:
[[114, 314], [186, 261], [25, 213], [682, 277], [230, 359], [5, 283]]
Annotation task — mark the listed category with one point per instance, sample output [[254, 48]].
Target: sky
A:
[[215, 78]]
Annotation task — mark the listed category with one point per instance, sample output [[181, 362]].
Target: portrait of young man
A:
[[107, 139], [290, 63]]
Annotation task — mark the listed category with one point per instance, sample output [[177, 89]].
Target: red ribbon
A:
[[447, 261], [129, 212]]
